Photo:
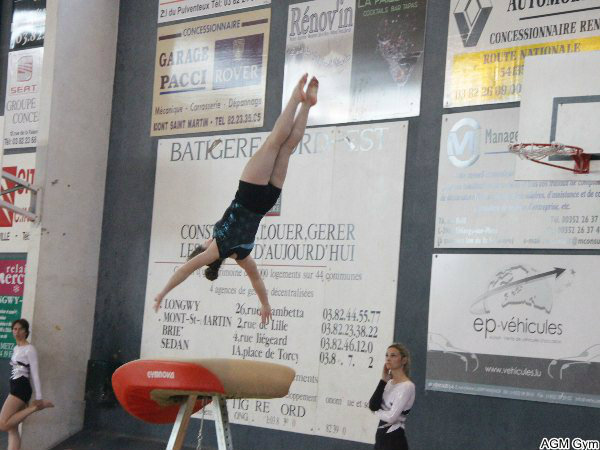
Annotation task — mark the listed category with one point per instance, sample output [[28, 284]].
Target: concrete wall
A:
[[5, 20], [60, 287]]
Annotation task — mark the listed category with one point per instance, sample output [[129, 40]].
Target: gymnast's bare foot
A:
[[299, 95], [42, 404], [311, 91]]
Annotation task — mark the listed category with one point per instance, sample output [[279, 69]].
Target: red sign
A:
[[12, 277], [6, 216]]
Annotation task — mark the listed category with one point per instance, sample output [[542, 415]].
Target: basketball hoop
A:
[[536, 152]]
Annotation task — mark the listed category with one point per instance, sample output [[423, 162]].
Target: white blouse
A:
[[24, 362], [397, 398]]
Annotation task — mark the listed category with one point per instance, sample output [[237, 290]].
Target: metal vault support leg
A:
[[181, 423], [222, 423]]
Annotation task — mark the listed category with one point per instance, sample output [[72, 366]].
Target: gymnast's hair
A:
[[24, 324], [405, 354], [212, 270]]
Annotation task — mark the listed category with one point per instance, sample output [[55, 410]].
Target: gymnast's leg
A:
[[14, 411], [283, 157], [258, 170]]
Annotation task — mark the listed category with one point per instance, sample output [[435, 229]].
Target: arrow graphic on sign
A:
[[480, 306]]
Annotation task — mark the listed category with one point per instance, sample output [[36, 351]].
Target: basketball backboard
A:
[[560, 102]]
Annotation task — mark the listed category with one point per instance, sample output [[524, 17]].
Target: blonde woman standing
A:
[[393, 399]]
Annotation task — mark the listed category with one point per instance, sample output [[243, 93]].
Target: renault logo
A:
[[471, 16]]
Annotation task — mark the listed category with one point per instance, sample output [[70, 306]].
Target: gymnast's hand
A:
[[386, 373], [157, 301], [265, 314]]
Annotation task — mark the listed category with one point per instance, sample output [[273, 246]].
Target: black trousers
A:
[[396, 440]]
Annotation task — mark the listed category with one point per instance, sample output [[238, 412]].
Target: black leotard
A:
[[235, 231]]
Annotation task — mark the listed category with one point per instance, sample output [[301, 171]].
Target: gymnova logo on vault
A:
[[160, 374]]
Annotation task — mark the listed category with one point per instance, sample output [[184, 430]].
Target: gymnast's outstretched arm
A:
[[206, 257], [249, 265]]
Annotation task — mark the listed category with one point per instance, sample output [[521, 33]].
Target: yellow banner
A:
[[210, 75], [495, 76]]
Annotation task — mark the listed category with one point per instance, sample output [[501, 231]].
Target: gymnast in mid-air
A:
[[259, 188]]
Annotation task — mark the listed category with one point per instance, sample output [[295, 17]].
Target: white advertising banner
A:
[[21, 108], [321, 255], [367, 56], [515, 326], [480, 205], [211, 74], [488, 41], [14, 228], [169, 10]]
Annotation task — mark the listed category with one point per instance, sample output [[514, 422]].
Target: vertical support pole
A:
[[71, 160], [222, 423], [181, 423]]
